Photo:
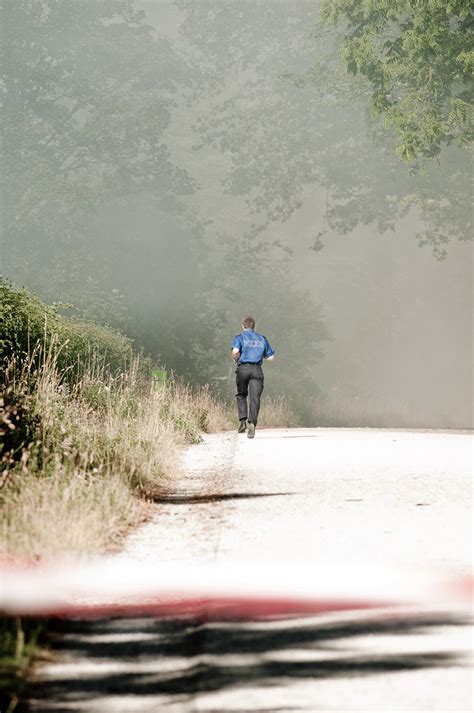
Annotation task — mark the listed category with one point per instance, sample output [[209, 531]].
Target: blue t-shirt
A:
[[253, 347]]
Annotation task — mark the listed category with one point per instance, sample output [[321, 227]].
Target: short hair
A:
[[248, 322]]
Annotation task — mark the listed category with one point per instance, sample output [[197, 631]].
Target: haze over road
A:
[[309, 497]]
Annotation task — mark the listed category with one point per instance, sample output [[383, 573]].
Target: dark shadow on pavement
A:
[[200, 649], [211, 497]]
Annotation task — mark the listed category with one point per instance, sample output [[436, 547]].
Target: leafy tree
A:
[[418, 57], [297, 120], [86, 93]]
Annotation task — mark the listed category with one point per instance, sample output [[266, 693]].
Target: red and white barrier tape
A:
[[117, 586]]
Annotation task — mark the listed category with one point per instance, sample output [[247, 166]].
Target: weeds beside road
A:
[[90, 447], [86, 430]]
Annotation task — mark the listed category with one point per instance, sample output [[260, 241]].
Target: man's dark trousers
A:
[[249, 379]]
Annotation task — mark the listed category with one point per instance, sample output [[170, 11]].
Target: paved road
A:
[[379, 500]]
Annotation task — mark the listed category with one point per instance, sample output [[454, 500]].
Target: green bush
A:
[[19, 646], [28, 326]]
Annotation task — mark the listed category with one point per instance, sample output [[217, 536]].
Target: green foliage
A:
[[418, 58], [86, 96], [299, 123], [19, 640], [87, 92], [90, 444], [28, 327], [19, 424]]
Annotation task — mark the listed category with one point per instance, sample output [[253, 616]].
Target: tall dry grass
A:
[[277, 412], [79, 449], [88, 447]]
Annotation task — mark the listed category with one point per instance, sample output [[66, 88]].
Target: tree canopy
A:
[[418, 57], [298, 120], [86, 91]]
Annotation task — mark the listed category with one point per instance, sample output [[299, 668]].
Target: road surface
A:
[[353, 501]]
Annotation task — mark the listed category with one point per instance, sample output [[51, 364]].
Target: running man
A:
[[249, 349]]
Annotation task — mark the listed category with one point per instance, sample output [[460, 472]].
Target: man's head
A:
[[248, 322]]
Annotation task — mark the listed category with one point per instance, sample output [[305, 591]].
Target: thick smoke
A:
[[219, 162]]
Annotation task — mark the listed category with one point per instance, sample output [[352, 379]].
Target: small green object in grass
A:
[[159, 377]]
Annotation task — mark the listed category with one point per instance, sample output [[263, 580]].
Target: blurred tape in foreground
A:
[[114, 587]]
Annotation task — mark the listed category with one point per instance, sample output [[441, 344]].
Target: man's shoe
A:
[[251, 431], [242, 427]]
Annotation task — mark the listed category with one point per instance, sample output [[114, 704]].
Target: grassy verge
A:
[[84, 429], [91, 445]]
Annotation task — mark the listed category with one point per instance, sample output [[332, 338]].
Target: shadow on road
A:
[[211, 497], [263, 654]]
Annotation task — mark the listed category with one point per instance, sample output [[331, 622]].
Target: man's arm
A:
[[269, 354], [236, 347]]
